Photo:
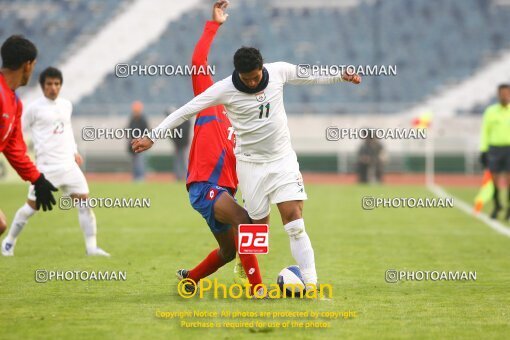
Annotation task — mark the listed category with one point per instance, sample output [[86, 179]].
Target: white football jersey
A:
[[49, 122], [259, 120]]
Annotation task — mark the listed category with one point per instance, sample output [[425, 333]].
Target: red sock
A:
[[250, 265], [209, 265]]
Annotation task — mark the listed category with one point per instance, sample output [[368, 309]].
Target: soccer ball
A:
[[292, 279]]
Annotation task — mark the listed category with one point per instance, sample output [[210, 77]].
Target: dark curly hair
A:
[[247, 59]]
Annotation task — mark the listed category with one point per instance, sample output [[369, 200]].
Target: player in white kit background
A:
[[48, 119], [267, 165]]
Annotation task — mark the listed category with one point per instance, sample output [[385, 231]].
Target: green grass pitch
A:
[[353, 250]]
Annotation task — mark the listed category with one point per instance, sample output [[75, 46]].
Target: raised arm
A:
[[199, 59], [293, 75], [210, 97]]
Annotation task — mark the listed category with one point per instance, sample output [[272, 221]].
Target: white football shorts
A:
[[263, 184], [70, 180]]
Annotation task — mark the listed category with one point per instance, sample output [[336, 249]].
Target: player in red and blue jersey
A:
[[212, 179]]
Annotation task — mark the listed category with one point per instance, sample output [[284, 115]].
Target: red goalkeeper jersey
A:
[[211, 157], [11, 138]]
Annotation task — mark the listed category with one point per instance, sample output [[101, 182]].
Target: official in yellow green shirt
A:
[[495, 144]]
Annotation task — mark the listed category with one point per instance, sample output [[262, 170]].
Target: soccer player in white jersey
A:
[[49, 121], [267, 165]]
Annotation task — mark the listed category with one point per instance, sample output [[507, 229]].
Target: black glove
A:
[[44, 197], [484, 160]]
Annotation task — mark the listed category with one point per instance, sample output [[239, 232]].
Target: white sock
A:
[[302, 250], [19, 221], [88, 226]]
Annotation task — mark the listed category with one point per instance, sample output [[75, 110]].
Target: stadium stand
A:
[[436, 45], [464, 37], [56, 27], [479, 108]]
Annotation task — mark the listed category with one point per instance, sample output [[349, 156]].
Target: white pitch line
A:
[[468, 209]]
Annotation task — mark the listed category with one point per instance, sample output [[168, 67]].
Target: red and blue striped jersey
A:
[[211, 157]]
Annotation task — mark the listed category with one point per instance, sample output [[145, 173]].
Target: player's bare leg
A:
[[496, 177], [226, 210], [18, 223], [264, 220], [215, 260], [3, 222], [291, 213], [227, 249], [87, 220]]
